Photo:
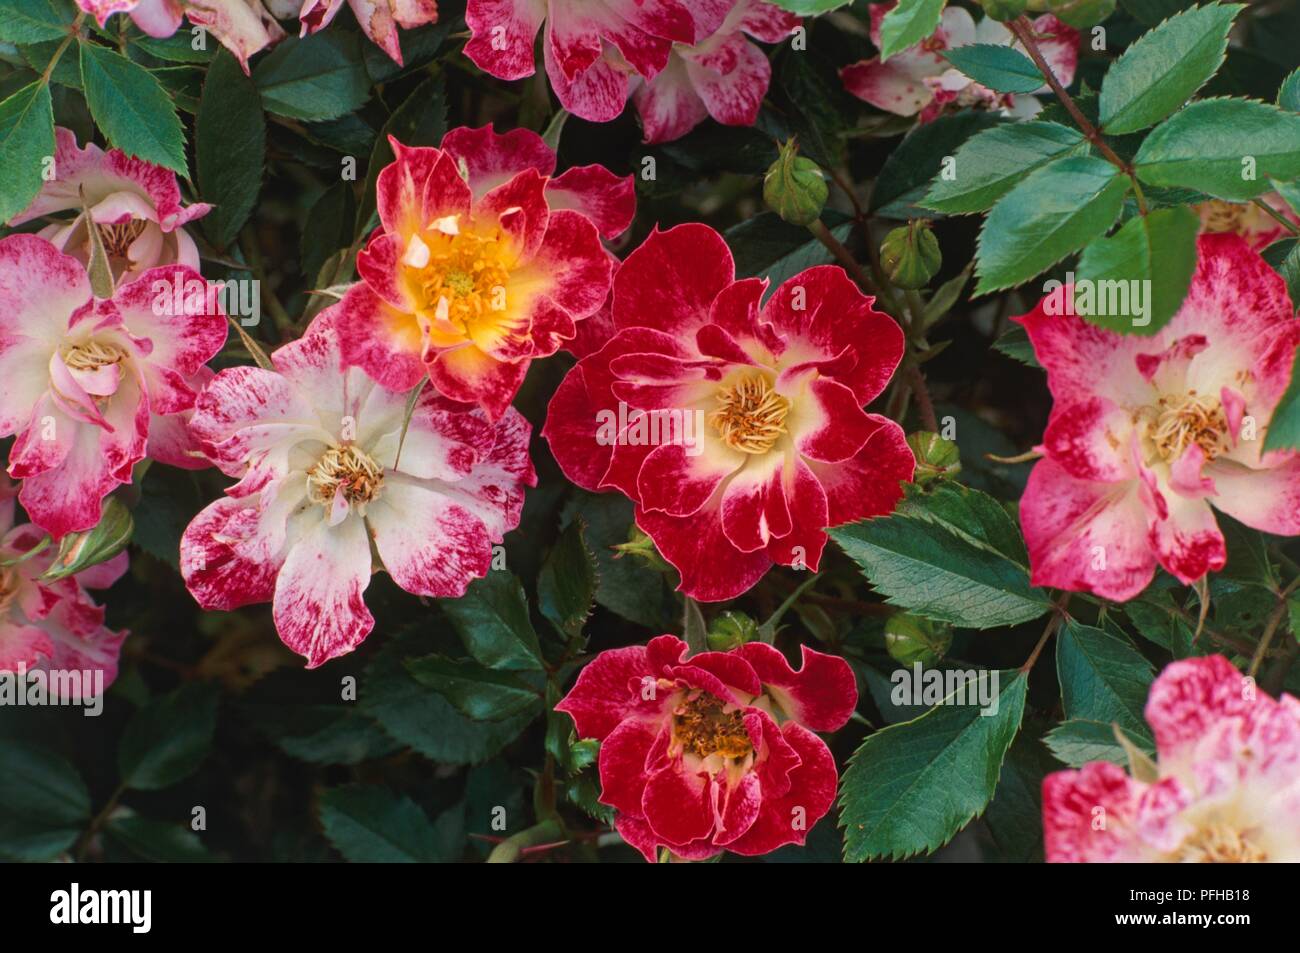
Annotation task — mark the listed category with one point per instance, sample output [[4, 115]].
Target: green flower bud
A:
[[643, 547], [1081, 13], [910, 255], [936, 458], [78, 551], [794, 187], [730, 629], [1004, 9], [910, 639]]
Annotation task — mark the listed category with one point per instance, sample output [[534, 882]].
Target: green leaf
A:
[[918, 160], [320, 76], [932, 570], [1288, 95], [44, 803], [229, 148], [492, 619], [159, 842], [481, 693], [1078, 741], [974, 516], [990, 164], [167, 739], [368, 823], [765, 246], [908, 23], [1284, 427], [1057, 209], [131, 108], [1001, 68], [1227, 148], [1284, 257], [910, 787], [808, 8], [425, 720], [34, 21], [1015, 815], [1163, 69], [1138, 277], [26, 142], [1103, 678], [566, 588], [1014, 343]]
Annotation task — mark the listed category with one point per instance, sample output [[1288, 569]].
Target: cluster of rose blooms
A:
[[384, 437]]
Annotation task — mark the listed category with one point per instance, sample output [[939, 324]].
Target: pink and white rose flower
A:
[[379, 19], [242, 26]]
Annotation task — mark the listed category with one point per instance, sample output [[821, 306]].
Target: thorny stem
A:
[[73, 32], [1059, 615], [842, 255], [1274, 621], [510, 850]]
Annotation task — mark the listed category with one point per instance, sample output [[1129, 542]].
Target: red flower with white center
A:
[[52, 626], [722, 75], [481, 263], [325, 472], [81, 378], [135, 205], [1147, 433], [737, 427], [1248, 220], [379, 19], [713, 752], [919, 80], [1225, 789], [242, 26], [590, 50]]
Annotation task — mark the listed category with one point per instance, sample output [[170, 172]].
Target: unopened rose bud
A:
[[910, 639], [78, 551], [731, 629], [910, 255], [936, 457], [794, 187]]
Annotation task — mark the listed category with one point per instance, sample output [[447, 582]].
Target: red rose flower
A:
[[736, 426], [716, 751]]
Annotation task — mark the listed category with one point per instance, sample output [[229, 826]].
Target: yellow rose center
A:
[[1220, 844], [118, 238], [1180, 421], [92, 355], [1220, 216], [348, 468], [703, 726], [751, 415], [464, 279]]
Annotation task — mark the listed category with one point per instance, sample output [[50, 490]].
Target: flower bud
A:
[[910, 255], [78, 551], [936, 457], [730, 629], [911, 638], [794, 187]]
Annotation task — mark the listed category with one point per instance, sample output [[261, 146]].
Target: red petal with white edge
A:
[[712, 569], [519, 205], [669, 282], [1090, 440], [1082, 359], [570, 430], [420, 185], [731, 80], [494, 490], [575, 263], [870, 484], [492, 158], [178, 312], [641, 836], [572, 39], [677, 805], [809, 512], [444, 440], [1072, 801], [1267, 499], [217, 576], [728, 668], [594, 192], [604, 694], [669, 105], [675, 482], [821, 307], [830, 425], [667, 19], [468, 375], [41, 289], [887, 86], [1191, 696], [822, 695], [596, 95], [1087, 536], [380, 266], [429, 544], [622, 764], [382, 341], [787, 819], [767, 21], [503, 33], [738, 808], [1188, 543], [318, 609]]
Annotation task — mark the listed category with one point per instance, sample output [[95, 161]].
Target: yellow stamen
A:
[[464, 279], [1220, 844], [1192, 418], [752, 415], [118, 238], [703, 726], [359, 476], [92, 355]]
